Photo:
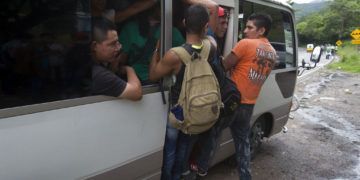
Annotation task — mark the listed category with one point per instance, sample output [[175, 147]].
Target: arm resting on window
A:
[[133, 89]]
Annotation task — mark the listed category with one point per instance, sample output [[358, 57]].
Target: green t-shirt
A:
[[133, 44]]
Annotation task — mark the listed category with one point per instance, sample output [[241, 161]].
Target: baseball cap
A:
[[221, 11]]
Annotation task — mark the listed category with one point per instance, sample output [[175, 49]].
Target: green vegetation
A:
[[330, 24], [350, 59], [302, 10]]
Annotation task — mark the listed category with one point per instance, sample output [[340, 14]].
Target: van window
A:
[[281, 35], [290, 59], [139, 29], [44, 51]]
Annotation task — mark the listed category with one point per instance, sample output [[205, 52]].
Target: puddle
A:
[[330, 121], [316, 88], [313, 113], [349, 131]]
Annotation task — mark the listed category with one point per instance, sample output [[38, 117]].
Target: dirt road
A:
[[323, 138]]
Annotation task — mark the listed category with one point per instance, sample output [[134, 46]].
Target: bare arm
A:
[[159, 68], [230, 61], [133, 9], [133, 89], [213, 10]]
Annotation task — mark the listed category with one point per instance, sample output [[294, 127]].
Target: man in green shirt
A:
[[139, 38]]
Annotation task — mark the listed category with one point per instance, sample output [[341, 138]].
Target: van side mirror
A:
[[316, 54], [305, 65], [315, 57]]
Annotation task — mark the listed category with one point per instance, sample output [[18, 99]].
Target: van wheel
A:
[[256, 136]]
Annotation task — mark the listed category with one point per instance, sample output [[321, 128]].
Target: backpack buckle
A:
[[195, 55]]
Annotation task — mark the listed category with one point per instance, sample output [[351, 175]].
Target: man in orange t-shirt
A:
[[255, 58], [250, 63]]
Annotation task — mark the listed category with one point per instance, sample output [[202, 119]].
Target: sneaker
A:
[[201, 172], [189, 176], [186, 173]]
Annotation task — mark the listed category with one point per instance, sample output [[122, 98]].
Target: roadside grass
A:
[[349, 59]]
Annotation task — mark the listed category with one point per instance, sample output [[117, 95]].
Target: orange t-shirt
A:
[[256, 59]]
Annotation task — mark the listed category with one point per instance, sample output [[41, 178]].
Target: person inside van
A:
[[119, 11], [139, 38], [126, 9], [221, 29], [105, 48], [212, 7], [177, 143]]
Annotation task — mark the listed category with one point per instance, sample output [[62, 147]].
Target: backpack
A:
[[199, 99], [230, 94]]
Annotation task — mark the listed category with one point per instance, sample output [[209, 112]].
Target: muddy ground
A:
[[323, 138]]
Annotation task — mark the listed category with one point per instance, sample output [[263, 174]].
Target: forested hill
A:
[[302, 10], [333, 22]]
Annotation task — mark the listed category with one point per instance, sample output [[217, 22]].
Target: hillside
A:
[[302, 10]]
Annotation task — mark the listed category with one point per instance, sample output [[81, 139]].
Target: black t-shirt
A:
[[105, 82]]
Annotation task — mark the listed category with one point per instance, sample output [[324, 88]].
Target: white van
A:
[[51, 127]]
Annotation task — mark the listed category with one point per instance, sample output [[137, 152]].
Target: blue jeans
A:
[[184, 148], [209, 141], [177, 150], [169, 153], [240, 129]]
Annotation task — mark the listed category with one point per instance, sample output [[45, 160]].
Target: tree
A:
[[333, 23]]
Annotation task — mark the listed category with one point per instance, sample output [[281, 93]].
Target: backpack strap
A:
[[187, 54], [205, 51], [182, 53]]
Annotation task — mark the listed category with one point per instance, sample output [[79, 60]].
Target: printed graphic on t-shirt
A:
[[263, 63]]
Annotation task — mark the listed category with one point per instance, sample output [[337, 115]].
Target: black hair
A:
[[196, 17], [100, 28], [261, 20]]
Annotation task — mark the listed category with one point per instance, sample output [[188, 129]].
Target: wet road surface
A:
[[323, 138]]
